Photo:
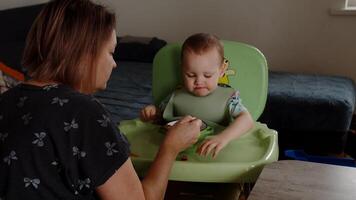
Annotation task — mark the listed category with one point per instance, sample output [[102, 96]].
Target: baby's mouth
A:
[[199, 88]]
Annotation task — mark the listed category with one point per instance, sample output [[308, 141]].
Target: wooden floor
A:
[[204, 191], [296, 180]]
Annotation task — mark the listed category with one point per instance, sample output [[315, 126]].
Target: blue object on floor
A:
[[301, 155]]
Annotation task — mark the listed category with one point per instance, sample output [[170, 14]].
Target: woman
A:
[[56, 140]]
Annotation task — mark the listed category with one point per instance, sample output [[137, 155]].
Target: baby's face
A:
[[201, 72]]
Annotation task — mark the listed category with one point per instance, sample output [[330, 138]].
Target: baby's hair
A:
[[200, 43]]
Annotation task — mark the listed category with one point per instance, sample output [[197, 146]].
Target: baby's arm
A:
[[241, 124], [149, 113], [153, 113], [238, 127]]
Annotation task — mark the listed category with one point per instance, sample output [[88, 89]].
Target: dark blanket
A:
[[309, 102], [128, 90], [310, 112]]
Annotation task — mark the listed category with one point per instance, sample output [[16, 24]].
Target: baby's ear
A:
[[224, 67]]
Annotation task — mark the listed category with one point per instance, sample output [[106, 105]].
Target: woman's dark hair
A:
[[65, 40]]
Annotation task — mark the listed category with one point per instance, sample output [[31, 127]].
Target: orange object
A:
[[134, 155], [11, 72]]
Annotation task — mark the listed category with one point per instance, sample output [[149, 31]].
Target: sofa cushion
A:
[[11, 54], [310, 112], [15, 23], [309, 102], [139, 49]]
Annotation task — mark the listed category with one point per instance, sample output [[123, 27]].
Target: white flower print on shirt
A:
[[57, 165], [26, 118], [75, 191], [57, 100], [49, 87], [21, 102], [78, 153], [3, 136], [110, 147], [12, 156], [104, 122], [68, 126], [84, 183], [34, 182], [39, 139]]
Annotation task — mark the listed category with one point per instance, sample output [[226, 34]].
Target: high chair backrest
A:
[[247, 72]]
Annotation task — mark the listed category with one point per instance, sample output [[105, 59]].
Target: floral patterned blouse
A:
[[56, 143]]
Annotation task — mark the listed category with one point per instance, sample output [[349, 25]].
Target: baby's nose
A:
[[199, 79]]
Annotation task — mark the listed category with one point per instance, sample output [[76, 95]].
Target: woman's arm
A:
[[124, 184], [155, 182]]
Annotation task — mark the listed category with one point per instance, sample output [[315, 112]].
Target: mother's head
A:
[[72, 42]]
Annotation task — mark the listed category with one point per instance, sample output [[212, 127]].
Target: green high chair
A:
[[242, 160]]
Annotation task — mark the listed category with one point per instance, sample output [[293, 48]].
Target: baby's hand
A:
[[213, 145], [149, 113]]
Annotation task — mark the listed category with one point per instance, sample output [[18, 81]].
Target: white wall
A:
[[5, 4], [294, 35]]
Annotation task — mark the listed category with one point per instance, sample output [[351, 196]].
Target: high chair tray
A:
[[240, 161]]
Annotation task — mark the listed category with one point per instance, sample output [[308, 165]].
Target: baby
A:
[[202, 64]]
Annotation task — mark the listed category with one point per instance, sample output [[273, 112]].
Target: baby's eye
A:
[[207, 76], [190, 75]]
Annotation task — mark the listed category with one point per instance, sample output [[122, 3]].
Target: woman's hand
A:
[[213, 145], [182, 134], [149, 113]]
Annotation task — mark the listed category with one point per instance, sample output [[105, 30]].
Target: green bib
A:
[[211, 108]]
